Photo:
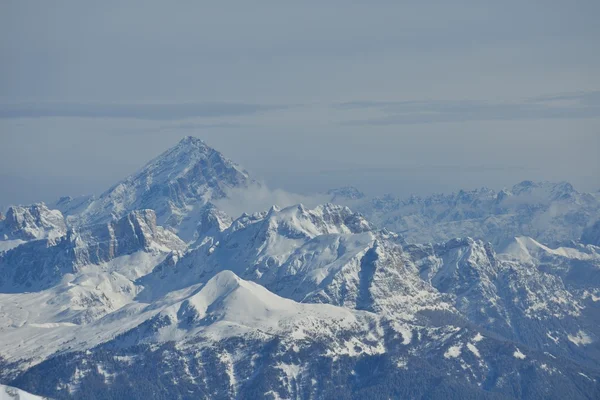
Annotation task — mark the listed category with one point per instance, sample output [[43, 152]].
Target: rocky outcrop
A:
[[39, 264], [32, 222]]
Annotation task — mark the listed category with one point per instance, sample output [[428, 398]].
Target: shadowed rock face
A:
[[592, 235], [136, 231]]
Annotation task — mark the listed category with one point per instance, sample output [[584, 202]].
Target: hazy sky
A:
[[390, 96]]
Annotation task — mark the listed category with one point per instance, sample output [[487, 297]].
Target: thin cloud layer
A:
[[261, 198], [557, 106], [134, 111]]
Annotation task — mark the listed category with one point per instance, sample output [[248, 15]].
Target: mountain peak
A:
[[190, 144], [192, 140], [176, 184], [180, 159]]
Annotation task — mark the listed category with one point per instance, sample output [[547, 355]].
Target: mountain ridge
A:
[[152, 291]]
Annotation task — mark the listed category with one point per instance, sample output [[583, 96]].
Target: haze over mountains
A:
[[151, 290]]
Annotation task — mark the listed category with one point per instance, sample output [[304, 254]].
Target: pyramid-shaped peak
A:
[[189, 164], [176, 185], [225, 280]]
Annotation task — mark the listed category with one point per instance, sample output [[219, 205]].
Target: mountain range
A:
[[553, 213], [152, 291]]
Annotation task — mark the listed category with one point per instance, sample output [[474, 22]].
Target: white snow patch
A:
[[403, 330], [402, 363], [128, 360], [50, 325], [473, 350], [519, 355], [226, 359], [271, 394], [6, 245], [585, 376], [580, 339], [453, 351], [108, 377], [291, 372], [549, 370], [354, 347], [554, 339], [478, 338]]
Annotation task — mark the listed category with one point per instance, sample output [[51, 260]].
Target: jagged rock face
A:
[[211, 222], [39, 264], [551, 213], [31, 222], [35, 265], [136, 231], [176, 185]]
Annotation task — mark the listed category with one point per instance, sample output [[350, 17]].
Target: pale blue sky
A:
[[391, 96]]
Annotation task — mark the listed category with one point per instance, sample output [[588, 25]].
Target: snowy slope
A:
[[224, 307], [578, 265], [11, 393], [234, 339]]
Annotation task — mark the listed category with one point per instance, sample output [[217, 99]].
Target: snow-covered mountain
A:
[[232, 338], [176, 185], [325, 255], [552, 213], [532, 296], [151, 291]]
